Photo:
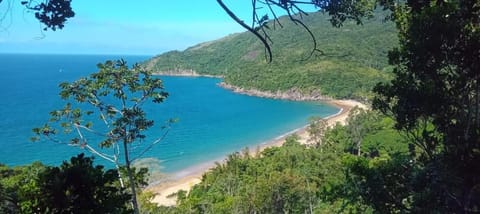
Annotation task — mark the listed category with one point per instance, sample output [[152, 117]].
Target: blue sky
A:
[[146, 27]]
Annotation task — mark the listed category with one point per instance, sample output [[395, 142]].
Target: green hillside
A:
[[354, 58]]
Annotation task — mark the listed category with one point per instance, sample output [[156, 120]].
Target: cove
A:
[[212, 121]]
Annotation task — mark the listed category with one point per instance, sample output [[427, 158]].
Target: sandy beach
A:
[[185, 180]]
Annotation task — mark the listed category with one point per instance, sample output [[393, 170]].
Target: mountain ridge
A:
[[354, 58]]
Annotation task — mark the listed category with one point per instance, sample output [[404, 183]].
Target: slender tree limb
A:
[[314, 40], [240, 22], [91, 130], [151, 145], [102, 155], [275, 18], [91, 149]]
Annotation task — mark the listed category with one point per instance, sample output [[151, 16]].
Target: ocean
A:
[[212, 121]]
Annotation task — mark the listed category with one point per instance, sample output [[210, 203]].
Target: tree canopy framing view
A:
[[417, 150]]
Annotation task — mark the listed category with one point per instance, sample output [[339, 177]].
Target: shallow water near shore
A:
[[212, 121]]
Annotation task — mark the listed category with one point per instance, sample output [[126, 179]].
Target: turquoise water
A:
[[212, 122]]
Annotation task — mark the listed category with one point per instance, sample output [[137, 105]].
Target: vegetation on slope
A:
[[297, 178], [77, 186], [354, 58]]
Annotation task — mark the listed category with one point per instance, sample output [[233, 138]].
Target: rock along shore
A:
[[291, 94], [184, 73]]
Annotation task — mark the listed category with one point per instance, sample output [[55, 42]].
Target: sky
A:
[[146, 27]]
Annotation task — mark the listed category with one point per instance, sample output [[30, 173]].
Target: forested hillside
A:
[[329, 177], [352, 60]]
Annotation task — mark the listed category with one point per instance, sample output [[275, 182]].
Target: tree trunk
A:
[[359, 145], [132, 180]]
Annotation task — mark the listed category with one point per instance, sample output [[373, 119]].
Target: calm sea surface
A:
[[212, 122]]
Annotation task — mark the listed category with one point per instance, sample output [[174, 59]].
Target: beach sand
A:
[[186, 179]]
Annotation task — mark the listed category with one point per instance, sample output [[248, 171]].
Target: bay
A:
[[212, 121]]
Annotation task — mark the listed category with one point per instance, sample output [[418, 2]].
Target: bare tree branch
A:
[[263, 40], [151, 145]]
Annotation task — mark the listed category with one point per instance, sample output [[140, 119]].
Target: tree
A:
[[360, 122], [79, 187], [51, 13], [114, 97], [21, 189], [339, 12], [435, 98], [316, 129], [381, 182]]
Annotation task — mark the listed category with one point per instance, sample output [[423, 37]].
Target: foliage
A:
[[380, 182], [293, 178], [78, 186], [354, 58], [339, 12], [75, 187], [145, 204], [20, 188], [360, 123], [282, 180], [435, 98], [115, 95], [316, 130], [52, 13]]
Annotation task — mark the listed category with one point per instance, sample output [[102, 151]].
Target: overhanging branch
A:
[[263, 40]]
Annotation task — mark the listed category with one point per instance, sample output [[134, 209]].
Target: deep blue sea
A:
[[212, 122]]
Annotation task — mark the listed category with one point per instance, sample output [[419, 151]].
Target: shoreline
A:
[[186, 73], [291, 94], [187, 178]]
